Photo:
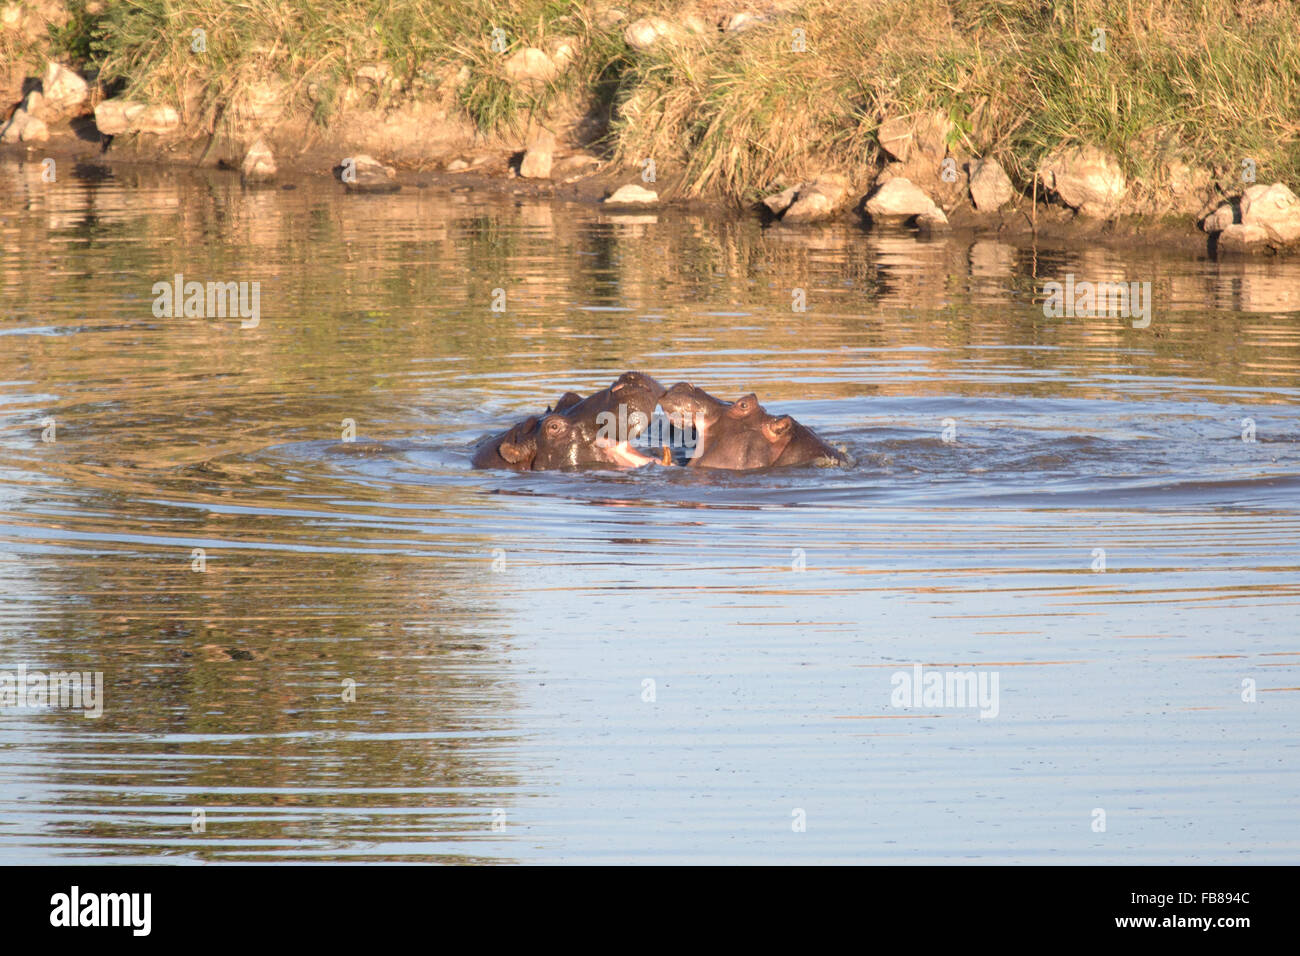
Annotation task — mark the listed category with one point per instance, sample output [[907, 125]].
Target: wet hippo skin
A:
[[741, 435], [596, 430], [516, 447]]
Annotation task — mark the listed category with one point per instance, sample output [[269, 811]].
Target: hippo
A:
[[516, 447], [742, 435], [596, 430]]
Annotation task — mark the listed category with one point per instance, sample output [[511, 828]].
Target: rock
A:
[[895, 137], [574, 164], [113, 117], [899, 198], [1242, 238], [1220, 219], [35, 131], [538, 156], [156, 119], [1086, 179], [990, 186], [631, 195], [818, 199], [24, 128], [116, 116], [643, 34], [34, 103], [811, 206], [609, 19], [259, 164], [563, 51], [740, 22], [456, 165], [780, 202], [927, 134], [933, 221], [530, 68], [1275, 209], [695, 24], [373, 73], [365, 174]]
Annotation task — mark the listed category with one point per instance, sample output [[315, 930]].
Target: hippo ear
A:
[[743, 406], [567, 401], [513, 452], [778, 428]]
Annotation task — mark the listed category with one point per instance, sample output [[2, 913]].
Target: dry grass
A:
[[1208, 81]]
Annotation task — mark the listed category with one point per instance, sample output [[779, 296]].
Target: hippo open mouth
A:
[[597, 431]]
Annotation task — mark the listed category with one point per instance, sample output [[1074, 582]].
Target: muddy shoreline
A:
[[1020, 222]]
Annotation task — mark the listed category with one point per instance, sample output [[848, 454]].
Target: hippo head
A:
[[617, 413], [745, 437], [519, 444], [562, 442], [693, 413], [558, 444], [632, 397]]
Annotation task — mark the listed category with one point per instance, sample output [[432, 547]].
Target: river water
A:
[[320, 649]]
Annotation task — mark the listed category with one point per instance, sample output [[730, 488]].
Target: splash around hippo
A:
[[596, 431]]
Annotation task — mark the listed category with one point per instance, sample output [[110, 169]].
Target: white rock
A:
[[530, 68], [156, 119], [35, 131], [1086, 179], [373, 73], [456, 165], [64, 90], [259, 163], [927, 134], [18, 123], [1239, 236], [538, 157], [1273, 208], [741, 22], [990, 186], [363, 173], [642, 34], [1220, 219], [778, 203], [609, 19], [116, 116], [817, 199], [632, 194], [899, 197], [563, 51], [933, 221]]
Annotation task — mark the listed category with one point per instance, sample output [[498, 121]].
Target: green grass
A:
[[1206, 81]]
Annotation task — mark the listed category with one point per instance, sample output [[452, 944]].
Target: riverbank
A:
[[1086, 118]]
